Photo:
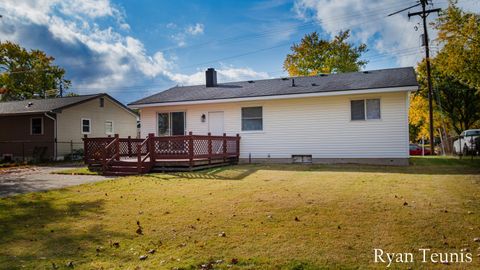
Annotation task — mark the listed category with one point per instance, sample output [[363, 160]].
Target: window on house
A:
[[373, 108], [86, 126], [358, 109], [36, 126], [108, 127], [171, 123], [102, 102], [365, 109], [252, 118]]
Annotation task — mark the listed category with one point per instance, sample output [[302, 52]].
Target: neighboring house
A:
[[359, 117], [51, 128]]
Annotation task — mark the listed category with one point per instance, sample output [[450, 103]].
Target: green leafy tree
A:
[[315, 56], [459, 33], [458, 103], [26, 74]]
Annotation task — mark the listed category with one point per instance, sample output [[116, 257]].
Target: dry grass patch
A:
[[247, 217]]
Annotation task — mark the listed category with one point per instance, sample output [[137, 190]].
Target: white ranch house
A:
[[359, 117]]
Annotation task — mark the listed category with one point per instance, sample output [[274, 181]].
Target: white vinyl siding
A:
[[317, 126], [69, 123]]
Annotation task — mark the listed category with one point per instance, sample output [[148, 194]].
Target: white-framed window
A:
[[86, 125], [36, 126], [171, 123], [365, 109], [252, 118], [109, 127]]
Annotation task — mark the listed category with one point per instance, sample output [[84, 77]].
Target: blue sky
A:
[[131, 49]]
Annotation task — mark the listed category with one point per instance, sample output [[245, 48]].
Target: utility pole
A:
[[424, 14]]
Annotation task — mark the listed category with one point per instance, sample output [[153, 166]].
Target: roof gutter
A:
[[285, 96]]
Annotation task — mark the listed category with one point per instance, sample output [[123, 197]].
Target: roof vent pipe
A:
[[293, 82], [211, 77]]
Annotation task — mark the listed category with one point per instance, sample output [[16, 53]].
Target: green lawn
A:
[[250, 217]]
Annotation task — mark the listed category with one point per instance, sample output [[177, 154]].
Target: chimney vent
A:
[[211, 77], [293, 83]]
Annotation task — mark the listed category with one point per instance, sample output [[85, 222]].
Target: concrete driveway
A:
[[38, 178]]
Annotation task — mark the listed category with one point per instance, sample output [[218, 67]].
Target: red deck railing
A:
[[106, 150]]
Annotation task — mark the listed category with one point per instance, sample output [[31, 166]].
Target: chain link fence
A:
[[39, 151]]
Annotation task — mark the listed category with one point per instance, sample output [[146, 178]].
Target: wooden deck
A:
[[121, 156]]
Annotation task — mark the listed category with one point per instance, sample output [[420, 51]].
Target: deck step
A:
[[124, 169], [124, 163], [118, 173]]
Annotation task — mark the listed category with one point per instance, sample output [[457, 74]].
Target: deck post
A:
[[238, 147], [224, 147], [129, 146], [104, 160], [139, 158], [151, 147], [117, 147], [209, 148], [85, 149], [190, 149]]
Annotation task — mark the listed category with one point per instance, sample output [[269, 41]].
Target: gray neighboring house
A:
[[52, 128]]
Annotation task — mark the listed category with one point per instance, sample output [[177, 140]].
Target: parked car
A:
[[467, 142], [416, 150]]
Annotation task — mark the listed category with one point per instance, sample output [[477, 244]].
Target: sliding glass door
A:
[[171, 123]]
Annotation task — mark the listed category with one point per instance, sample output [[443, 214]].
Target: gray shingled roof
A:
[[385, 78], [42, 105]]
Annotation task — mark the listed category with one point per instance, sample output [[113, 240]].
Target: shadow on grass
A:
[[418, 165], [36, 229]]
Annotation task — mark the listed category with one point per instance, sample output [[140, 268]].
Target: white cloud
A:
[[171, 25], [106, 58], [196, 29], [394, 35], [191, 30], [90, 8]]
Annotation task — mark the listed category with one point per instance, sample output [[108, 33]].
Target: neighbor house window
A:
[[171, 123], [108, 127], [365, 109], [252, 118], [36, 126], [102, 102], [86, 126]]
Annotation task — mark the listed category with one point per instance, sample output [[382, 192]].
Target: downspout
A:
[[54, 135]]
